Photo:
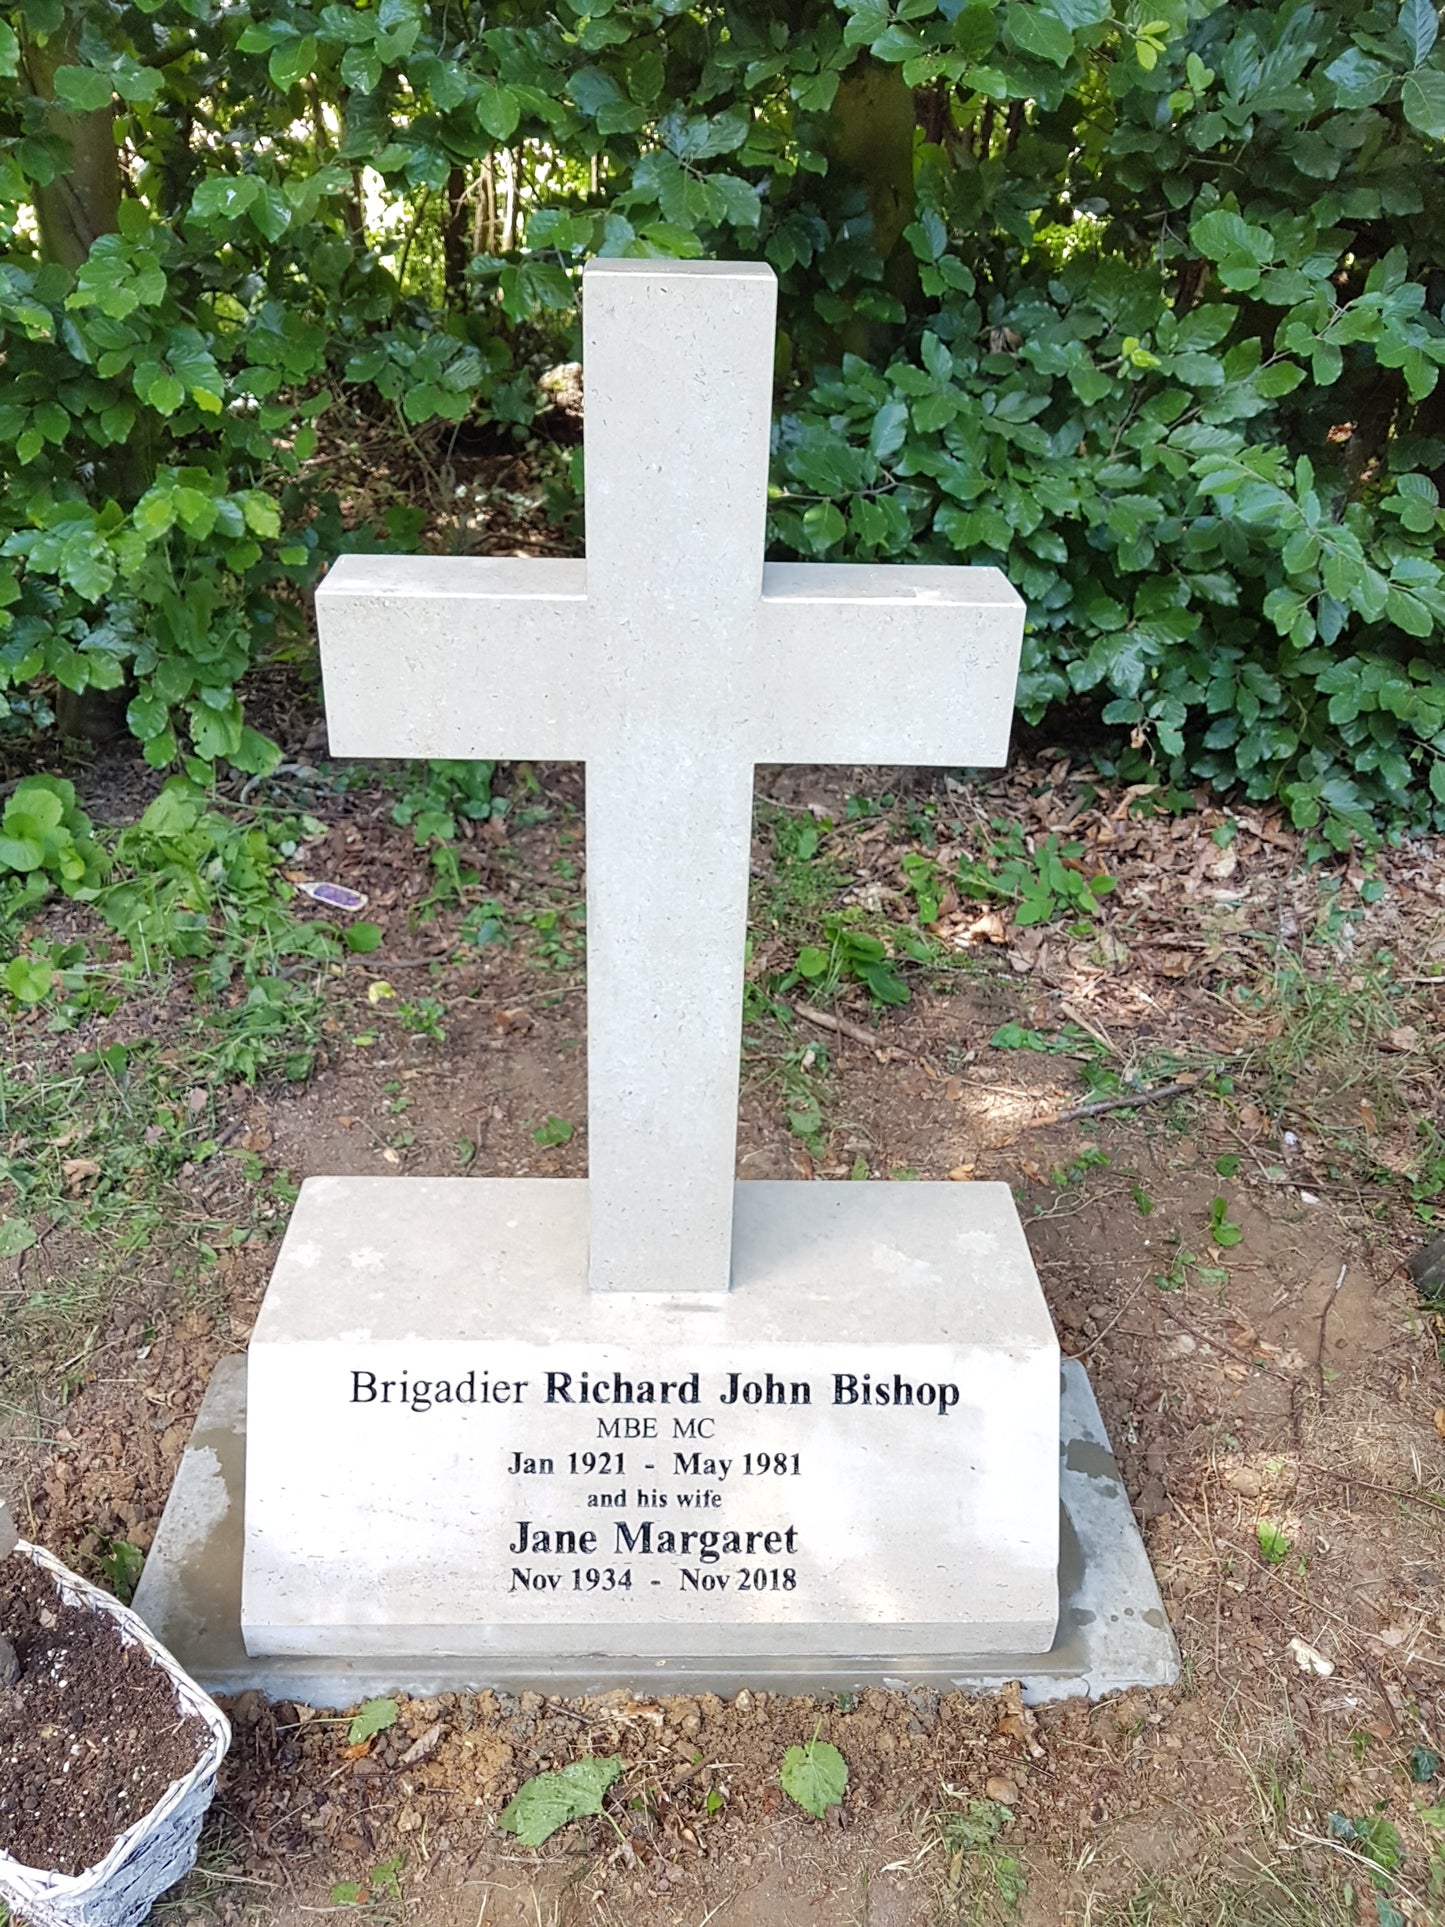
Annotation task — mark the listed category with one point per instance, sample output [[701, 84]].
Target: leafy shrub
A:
[[198, 885], [1138, 301], [45, 839]]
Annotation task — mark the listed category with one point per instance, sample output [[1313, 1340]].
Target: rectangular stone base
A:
[[455, 1447], [1112, 1632]]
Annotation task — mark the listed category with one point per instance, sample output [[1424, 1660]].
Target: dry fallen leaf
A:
[[1440, 1422], [988, 928], [1404, 1037], [961, 1171], [78, 1173], [1309, 1659]]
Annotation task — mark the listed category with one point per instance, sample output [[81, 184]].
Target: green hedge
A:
[[1139, 301]]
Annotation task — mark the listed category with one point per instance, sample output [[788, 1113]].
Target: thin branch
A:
[[843, 1026], [1099, 1105]]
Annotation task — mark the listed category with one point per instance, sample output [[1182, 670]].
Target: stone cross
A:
[[672, 661]]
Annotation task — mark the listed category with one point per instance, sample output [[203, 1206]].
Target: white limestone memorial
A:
[[657, 1421]]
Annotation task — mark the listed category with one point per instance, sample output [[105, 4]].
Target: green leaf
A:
[[1036, 30], [292, 61], [22, 853], [592, 89], [9, 51], [372, 1718], [28, 979], [1420, 24], [83, 88], [224, 196], [147, 716], [163, 391], [262, 515], [814, 1776], [1016, 1037], [1240, 248], [550, 1800], [553, 1130], [1274, 1542], [1222, 1230], [498, 110], [824, 525], [363, 938], [1423, 99], [16, 1235], [215, 732], [1086, 13]]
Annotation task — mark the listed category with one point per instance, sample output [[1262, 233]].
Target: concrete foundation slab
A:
[[1112, 1630]]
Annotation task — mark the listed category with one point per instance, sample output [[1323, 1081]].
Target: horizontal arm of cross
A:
[[475, 657], [414, 668], [886, 664]]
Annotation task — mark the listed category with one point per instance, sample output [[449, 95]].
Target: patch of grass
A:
[[1329, 1028], [91, 1157], [801, 882], [985, 1882], [801, 1074], [1274, 1897]]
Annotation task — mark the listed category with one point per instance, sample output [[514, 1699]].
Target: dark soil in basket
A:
[[91, 1734]]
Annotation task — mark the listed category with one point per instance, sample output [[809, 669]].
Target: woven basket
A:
[[154, 1852]]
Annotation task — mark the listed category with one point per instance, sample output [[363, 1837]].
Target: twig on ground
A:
[[1422, 1495], [374, 961], [844, 1026], [1324, 1320], [1097, 1106]]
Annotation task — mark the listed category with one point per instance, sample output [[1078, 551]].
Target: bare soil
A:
[[91, 1733], [1275, 1398]]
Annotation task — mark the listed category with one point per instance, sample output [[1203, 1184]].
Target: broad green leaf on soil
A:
[[815, 1776], [363, 938], [28, 979], [122, 1565], [1274, 1542], [374, 1717], [550, 1800], [15, 1236]]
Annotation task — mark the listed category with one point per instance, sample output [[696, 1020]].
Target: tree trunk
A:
[[870, 150], [72, 212], [455, 253], [80, 205]]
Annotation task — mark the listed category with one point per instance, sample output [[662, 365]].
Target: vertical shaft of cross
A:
[[678, 375]]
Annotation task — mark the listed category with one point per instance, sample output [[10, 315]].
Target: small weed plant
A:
[[381, 1890], [814, 1776], [1044, 878], [437, 798], [984, 1880]]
